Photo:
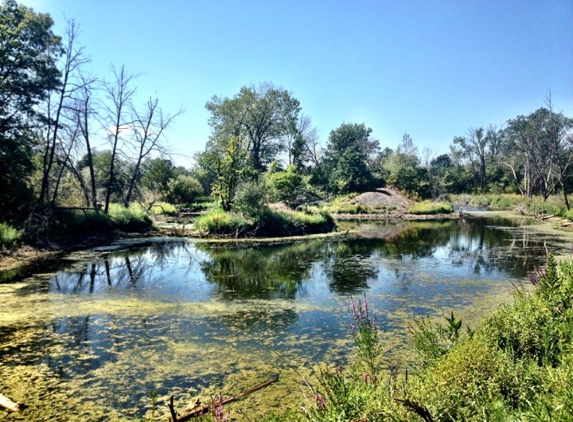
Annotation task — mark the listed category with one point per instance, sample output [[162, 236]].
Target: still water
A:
[[111, 334]]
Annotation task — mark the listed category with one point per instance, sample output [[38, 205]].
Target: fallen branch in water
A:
[[199, 409], [8, 404]]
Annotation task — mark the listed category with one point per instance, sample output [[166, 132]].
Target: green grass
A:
[[267, 223], [219, 222], [129, 219], [430, 208], [163, 208]]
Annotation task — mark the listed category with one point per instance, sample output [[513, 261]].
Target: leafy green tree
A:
[[539, 151], [404, 171], [262, 116], [28, 72], [348, 157], [157, 173], [228, 160]]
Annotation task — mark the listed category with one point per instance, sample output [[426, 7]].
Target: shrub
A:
[[184, 190], [250, 199], [9, 236]]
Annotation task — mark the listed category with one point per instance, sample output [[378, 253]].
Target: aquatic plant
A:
[[365, 333]]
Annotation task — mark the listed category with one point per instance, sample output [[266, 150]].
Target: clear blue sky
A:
[[432, 69]]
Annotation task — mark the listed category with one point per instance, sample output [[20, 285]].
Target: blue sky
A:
[[432, 69]]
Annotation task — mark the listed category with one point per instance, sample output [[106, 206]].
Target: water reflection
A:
[[178, 314]]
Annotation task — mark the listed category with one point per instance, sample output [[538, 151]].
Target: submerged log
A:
[[199, 409], [8, 404]]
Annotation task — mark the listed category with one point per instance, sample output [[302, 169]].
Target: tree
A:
[[157, 173], [28, 73], [118, 94], [404, 171], [60, 114], [479, 147], [287, 186], [540, 149], [228, 160], [148, 130], [261, 116], [349, 152]]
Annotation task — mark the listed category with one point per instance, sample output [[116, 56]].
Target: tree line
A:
[[70, 138], [261, 135]]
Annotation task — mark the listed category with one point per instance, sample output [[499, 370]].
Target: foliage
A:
[[265, 223], [227, 159], [28, 73], [184, 190], [516, 366], [163, 208], [128, 219], [261, 116], [9, 236], [364, 331], [434, 340], [428, 207], [218, 221], [251, 199], [403, 170], [346, 167], [287, 186]]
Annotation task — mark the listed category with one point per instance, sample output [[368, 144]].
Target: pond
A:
[[110, 334]]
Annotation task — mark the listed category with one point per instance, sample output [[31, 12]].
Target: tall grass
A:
[[220, 222], [431, 208], [266, 223]]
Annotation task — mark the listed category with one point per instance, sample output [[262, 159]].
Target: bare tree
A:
[[148, 130], [119, 94], [305, 150], [57, 105]]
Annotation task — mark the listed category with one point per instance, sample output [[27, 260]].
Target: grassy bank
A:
[[54, 227], [266, 223]]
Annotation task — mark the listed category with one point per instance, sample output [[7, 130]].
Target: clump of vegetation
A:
[[133, 218], [431, 208], [9, 236], [163, 208], [221, 222], [265, 222]]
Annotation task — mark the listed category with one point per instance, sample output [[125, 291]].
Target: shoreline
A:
[[27, 257]]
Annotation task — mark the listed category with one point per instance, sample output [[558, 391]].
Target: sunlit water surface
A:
[[112, 335]]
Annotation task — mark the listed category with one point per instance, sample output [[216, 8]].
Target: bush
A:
[[184, 190], [267, 223], [9, 236], [250, 199]]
